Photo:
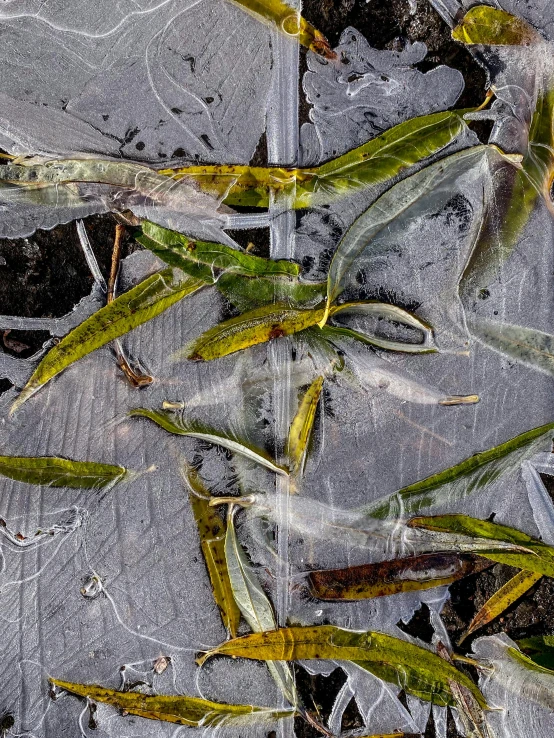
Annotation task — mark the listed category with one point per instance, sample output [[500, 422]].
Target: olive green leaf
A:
[[374, 162], [540, 649], [51, 471], [247, 294], [212, 532], [491, 26], [302, 425], [172, 709], [525, 345], [535, 556], [384, 314], [503, 598], [131, 309], [255, 605], [171, 422], [429, 188], [411, 667], [208, 260], [249, 329], [470, 475], [409, 574]]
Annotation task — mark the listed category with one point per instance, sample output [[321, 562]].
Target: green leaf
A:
[[171, 709], [525, 345], [409, 574], [211, 259], [429, 188], [51, 471], [540, 649], [491, 26], [246, 294], [411, 667], [503, 598], [388, 315], [302, 425], [537, 557], [255, 605], [212, 532], [470, 475], [140, 304], [249, 329], [171, 422]]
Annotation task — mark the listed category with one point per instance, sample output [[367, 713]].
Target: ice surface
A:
[[121, 580]]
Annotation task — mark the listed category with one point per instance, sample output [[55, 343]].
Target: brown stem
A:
[[135, 379]]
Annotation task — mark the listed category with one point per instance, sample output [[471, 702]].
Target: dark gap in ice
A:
[[419, 625]]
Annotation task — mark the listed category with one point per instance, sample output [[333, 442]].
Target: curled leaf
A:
[[302, 424], [472, 474], [413, 668], [534, 555], [515, 588], [170, 422], [177, 709], [251, 328], [50, 471], [491, 26], [207, 260], [212, 532], [409, 574], [131, 309]]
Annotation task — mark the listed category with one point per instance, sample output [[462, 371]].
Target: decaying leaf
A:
[[172, 423], [484, 24], [413, 668], [51, 471], [302, 425], [206, 260], [409, 574], [131, 309], [255, 605], [172, 709], [251, 328], [503, 598], [470, 475], [212, 532], [536, 557]]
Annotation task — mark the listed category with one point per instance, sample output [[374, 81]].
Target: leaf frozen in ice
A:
[[470, 475], [178, 709], [484, 24], [131, 309], [171, 422], [51, 471], [302, 425], [411, 667], [212, 531], [525, 345]]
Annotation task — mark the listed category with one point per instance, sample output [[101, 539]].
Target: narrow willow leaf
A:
[[171, 422], [430, 185], [212, 532], [211, 259], [540, 649], [409, 574], [491, 26], [525, 345], [51, 471], [537, 556], [502, 599], [140, 304], [373, 163], [247, 294], [171, 709], [254, 605], [251, 328], [384, 313], [302, 425], [470, 475], [290, 22], [413, 668]]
